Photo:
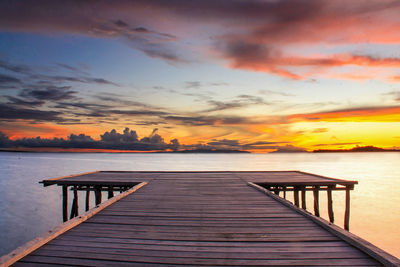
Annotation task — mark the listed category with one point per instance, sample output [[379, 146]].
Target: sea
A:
[[27, 209]]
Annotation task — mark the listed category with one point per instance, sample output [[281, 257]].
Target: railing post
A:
[[65, 202], [330, 205], [303, 198], [97, 194], [110, 192], [74, 208], [316, 200], [347, 209], [296, 196], [87, 200]]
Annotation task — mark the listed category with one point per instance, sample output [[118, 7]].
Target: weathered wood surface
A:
[[270, 177], [198, 219]]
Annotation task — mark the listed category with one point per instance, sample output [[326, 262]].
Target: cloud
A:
[[337, 144], [6, 79], [241, 101], [235, 144], [206, 120], [52, 93], [394, 94], [251, 35], [128, 140], [368, 113], [23, 102], [16, 68], [8, 112], [320, 130], [264, 58]]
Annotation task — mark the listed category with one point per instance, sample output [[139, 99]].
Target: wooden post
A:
[[110, 192], [65, 202], [296, 196], [97, 195], [347, 210], [276, 190], [330, 205], [74, 208], [303, 198], [316, 200], [87, 200], [284, 192]]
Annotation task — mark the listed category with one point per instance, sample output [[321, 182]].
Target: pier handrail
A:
[[383, 257], [36, 243]]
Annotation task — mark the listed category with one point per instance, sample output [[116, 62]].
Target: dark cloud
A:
[[240, 102], [234, 144], [6, 79], [206, 120], [128, 140], [73, 69], [8, 112], [17, 68], [51, 93], [23, 102]]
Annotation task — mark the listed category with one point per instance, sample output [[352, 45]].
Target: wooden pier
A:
[[198, 219]]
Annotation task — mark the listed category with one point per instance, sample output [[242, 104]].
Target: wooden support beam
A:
[[65, 202], [110, 192], [284, 192], [87, 200], [296, 197], [316, 200], [74, 208], [303, 198], [97, 195], [330, 205], [347, 210], [276, 191]]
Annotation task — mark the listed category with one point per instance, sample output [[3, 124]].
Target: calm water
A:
[[28, 210]]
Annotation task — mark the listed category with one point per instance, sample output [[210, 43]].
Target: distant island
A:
[[357, 149], [208, 151], [63, 150]]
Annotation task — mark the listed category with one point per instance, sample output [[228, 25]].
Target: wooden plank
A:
[[58, 256], [34, 244], [50, 250], [52, 181]]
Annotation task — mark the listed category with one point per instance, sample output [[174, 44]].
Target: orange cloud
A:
[[21, 129], [262, 58], [371, 114]]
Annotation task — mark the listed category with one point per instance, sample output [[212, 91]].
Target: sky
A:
[[253, 75]]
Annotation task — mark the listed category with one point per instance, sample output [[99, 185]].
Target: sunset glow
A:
[[259, 76]]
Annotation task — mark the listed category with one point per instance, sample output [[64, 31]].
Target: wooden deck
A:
[[202, 219]]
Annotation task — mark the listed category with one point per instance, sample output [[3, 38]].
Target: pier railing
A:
[[299, 190], [97, 189], [96, 186]]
